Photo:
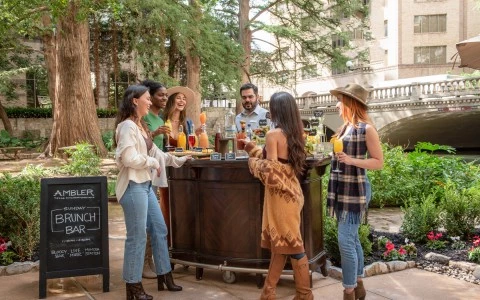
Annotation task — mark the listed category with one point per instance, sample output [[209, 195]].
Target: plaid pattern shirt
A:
[[347, 190]]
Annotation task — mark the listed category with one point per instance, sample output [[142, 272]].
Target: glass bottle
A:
[[241, 136], [230, 123], [218, 136], [203, 138], [249, 132], [182, 138]]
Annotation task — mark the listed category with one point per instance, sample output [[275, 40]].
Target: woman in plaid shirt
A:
[[349, 190]]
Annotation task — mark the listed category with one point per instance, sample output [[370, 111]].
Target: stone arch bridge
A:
[[444, 112]]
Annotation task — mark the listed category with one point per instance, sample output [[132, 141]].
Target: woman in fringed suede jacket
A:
[[277, 166]]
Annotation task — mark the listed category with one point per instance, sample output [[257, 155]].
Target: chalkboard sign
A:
[[73, 229], [262, 122], [215, 156]]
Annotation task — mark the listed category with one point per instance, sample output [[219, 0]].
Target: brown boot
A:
[[302, 278], [135, 292], [360, 292], [350, 296], [148, 265], [277, 263]]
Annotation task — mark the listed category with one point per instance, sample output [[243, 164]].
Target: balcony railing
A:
[[413, 92]]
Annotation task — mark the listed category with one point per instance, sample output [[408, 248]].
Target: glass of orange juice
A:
[[337, 147], [168, 123]]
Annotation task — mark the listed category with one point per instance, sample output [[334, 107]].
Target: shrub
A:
[[461, 210], [107, 139], [474, 252], [20, 217], [420, 217], [434, 241], [83, 161]]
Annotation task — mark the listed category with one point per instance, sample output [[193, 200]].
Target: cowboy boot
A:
[[167, 279], [135, 292], [277, 263], [302, 278], [148, 265], [350, 296], [360, 292]]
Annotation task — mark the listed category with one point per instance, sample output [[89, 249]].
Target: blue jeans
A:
[[142, 213], [351, 253]]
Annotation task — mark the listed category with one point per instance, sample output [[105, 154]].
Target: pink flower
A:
[[3, 247], [390, 246], [430, 235], [402, 251]]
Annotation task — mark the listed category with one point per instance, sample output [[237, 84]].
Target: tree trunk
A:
[[245, 35], [6, 122], [193, 70], [75, 118]]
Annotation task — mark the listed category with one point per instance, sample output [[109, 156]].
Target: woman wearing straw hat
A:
[[349, 189], [179, 97]]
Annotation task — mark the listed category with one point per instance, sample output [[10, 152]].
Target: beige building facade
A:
[[408, 41]]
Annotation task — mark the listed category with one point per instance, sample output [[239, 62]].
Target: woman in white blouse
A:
[[136, 155]]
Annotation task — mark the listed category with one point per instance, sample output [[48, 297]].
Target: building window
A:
[[386, 58], [430, 23], [357, 34], [430, 55], [309, 71], [385, 28], [337, 41]]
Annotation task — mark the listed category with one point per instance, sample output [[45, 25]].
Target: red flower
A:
[[390, 246], [402, 251]]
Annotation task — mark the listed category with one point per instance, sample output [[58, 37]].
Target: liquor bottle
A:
[[182, 138], [230, 123], [249, 132], [218, 136]]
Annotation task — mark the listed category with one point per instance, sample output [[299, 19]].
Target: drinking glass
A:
[[337, 147], [191, 141], [168, 123]]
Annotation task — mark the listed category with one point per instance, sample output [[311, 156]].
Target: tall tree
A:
[[297, 33], [75, 118]]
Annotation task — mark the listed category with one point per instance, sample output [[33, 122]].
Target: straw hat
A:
[[353, 90], [189, 95]]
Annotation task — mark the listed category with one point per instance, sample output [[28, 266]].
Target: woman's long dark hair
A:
[[284, 112], [127, 109], [170, 107]]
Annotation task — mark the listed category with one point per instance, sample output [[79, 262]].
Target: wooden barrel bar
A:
[[216, 215]]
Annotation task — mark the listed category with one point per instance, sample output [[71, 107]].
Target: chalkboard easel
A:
[[73, 229]]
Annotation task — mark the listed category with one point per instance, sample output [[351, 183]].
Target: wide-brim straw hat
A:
[[353, 90], [189, 94]]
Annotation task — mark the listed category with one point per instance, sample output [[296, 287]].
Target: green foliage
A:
[[7, 257], [419, 173], [364, 233], [460, 210], [382, 242], [83, 161], [474, 255], [111, 187], [420, 218], [107, 139], [28, 142], [20, 217]]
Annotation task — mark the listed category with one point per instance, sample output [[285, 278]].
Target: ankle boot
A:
[[277, 263], [167, 279], [350, 296], [360, 292], [148, 265], [302, 278], [135, 292]]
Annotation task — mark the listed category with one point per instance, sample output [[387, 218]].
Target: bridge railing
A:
[[413, 92]]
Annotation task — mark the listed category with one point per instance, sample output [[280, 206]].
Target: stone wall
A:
[[42, 127]]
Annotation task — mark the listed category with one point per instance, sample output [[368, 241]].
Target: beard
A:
[[249, 106]]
